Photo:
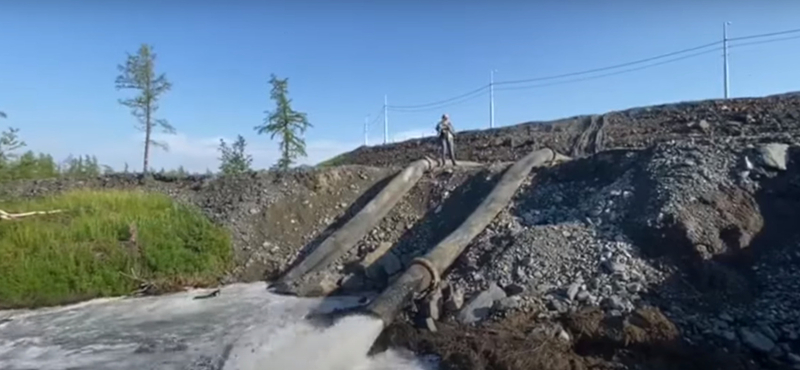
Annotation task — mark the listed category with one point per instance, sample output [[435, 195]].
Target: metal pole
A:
[[385, 119], [491, 98], [725, 57], [366, 130]]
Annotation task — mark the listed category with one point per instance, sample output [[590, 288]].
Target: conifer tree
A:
[[139, 73], [286, 123]]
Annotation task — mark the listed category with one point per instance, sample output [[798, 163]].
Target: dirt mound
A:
[[771, 118], [275, 219], [587, 339], [642, 257], [699, 230], [270, 216]]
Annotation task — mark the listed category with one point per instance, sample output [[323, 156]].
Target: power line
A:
[[465, 97], [647, 66], [699, 47], [441, 106], [483, 90], [764, 41], [478, 91], [588, 71], [764, 35], [486, 87], [378, 116], [673, 60], [470, 93]]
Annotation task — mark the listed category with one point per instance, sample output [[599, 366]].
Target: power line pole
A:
[[491, 98], [366, 130], [385, 119], [725, 57]]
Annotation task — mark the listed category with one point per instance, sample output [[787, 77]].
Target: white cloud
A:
[[195, 154], [412, 134], [198, 153]]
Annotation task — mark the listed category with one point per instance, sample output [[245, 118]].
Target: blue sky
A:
[[58, 64]]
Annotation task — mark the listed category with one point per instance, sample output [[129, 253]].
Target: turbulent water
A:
[[243, 328]]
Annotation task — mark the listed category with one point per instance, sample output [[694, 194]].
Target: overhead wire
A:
[[484, 89], [761, 35], [589, 71], [442, 106], [764, 41], [377, 117], [467, 94], [628, 70], [693, 55], [507, 88]]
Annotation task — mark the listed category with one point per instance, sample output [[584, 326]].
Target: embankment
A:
[[273, 219], [771, 118], [681, 255], [672, 233]]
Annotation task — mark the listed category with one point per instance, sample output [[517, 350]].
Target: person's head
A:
[[445, 117]]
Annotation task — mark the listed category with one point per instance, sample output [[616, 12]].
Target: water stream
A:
[[244, 328]]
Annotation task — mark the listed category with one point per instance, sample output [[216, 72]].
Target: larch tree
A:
[[233, 158], [286, 123], [9, 143], [139, 73]]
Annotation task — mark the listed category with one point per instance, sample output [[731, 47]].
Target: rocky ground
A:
[[276, 219], [771, 118], [670, 241], [700, 232], [271, 217]]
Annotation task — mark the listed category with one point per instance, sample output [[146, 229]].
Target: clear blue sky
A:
[[58, 64]]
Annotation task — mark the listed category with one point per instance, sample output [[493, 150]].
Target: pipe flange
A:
[[552, 160], [430, 162], [556, 159], [435, 278]]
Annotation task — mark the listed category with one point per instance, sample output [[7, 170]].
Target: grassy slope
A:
[[88, 251], [332, 162]]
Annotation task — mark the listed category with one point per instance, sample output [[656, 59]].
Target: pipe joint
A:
[[430, 163], [435, 278], [557, 158]]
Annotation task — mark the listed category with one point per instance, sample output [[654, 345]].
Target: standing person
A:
[[447, 139]]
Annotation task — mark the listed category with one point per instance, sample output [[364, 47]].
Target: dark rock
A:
[[514, 289], [756, 340], [454, 299], [506, 304], [479, 307], [390, 263]]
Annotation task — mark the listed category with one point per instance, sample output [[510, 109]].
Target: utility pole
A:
[[385, 119], [725, 57], [366, 130], [491, 98]]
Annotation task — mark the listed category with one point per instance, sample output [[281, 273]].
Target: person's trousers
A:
[[448, 148]]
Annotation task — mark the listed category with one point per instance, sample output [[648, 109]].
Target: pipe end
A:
[[282, 287], [328, 319]]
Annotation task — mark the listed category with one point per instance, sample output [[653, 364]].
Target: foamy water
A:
[[242, 329]]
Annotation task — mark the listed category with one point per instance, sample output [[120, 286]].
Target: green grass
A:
[[332, 162], [87, 251]]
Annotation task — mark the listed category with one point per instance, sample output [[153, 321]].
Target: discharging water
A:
[[244, 328]]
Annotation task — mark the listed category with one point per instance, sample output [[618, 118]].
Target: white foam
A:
[[257, 329]]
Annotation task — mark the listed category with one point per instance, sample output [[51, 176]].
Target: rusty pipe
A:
[[424, 273], [302, 279]]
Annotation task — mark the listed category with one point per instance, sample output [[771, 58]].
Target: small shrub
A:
[[105, 243]]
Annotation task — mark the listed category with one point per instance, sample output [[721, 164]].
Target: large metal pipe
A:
[[301, 280], [424, 273]]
